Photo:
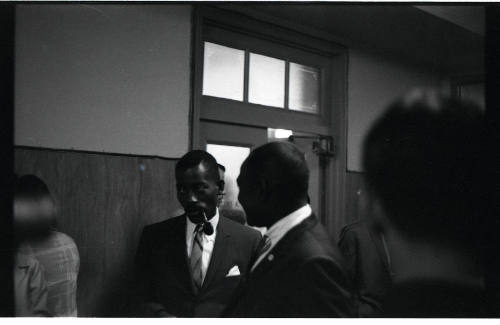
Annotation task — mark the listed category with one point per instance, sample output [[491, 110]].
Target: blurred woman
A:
[[57, 253]]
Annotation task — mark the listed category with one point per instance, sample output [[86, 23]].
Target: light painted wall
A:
[[373, 83], [112, 78], [115, 78]]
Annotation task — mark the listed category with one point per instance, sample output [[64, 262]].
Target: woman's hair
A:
[[34, 206]]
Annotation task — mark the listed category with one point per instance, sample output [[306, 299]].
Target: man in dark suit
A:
[[299, 272], [368, 261], [191, 265]]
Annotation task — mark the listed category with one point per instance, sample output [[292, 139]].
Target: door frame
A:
[[335, 172]]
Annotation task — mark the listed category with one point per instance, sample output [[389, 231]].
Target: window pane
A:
[[231, 157], [266, 81], [223, 71], [304, 88]]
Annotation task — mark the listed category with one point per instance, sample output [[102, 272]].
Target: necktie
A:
[[265, 245], [196, 254]]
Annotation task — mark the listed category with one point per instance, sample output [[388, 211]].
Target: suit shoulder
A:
[[354, 230], [62, 238], [317, 243], [235, 228], [355, 226], [163, 225]]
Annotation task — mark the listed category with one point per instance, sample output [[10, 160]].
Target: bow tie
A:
[[202, 223], [206, 227]]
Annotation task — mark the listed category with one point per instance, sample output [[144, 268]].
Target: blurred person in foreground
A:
[[56, 252], [299, 271], [423, 159]]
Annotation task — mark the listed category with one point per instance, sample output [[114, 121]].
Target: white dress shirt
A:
[[282, 227], [207, 241]]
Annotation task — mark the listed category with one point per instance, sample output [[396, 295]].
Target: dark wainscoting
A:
[[356, 197], [104, 202]]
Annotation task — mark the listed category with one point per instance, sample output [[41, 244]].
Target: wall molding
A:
[[95, 152]]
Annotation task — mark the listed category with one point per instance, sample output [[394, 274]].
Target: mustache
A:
[[194, 208], [197, 215]]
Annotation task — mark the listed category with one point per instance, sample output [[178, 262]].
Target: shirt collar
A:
[[280, 228], [214, 221]]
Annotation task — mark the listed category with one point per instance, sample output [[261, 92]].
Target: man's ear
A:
[[220, 185]]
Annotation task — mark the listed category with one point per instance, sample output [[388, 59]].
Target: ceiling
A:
[[468, 17], [446, 38]]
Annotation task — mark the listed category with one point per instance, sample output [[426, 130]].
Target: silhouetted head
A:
[[34, 207], [423, 160], [198, 184], [273, 182], [222, 171], [222, 175]]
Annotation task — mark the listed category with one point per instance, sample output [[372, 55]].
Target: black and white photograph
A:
[[250, 159]]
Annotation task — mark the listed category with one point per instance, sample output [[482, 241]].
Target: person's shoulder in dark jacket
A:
[[351, 237], [315, 242], [246, 238], [321, 275], [166, 224], [160, 232], [237, 228], [353, 229]]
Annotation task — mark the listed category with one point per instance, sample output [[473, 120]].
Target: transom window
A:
[[255, 74], [254, 78]]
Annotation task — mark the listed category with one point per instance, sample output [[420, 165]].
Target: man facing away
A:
[[191, 265], [364, 249], [299, 272]]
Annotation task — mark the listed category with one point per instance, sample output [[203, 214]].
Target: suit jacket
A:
[[302, 276], [368, 266], [164, 276]]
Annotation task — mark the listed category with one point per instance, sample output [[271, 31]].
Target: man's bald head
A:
[[275, 176]]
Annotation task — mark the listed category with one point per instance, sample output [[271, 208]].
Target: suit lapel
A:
[[220, 251], [179, 249], [282, 248]]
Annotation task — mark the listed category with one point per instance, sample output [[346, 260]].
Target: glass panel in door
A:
[[231, 157]]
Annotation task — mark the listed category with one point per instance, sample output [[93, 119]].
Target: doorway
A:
[[254, 82], [231, 144]]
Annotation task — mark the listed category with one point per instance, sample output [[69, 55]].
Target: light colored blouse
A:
[[58, 254], [30, 290]]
